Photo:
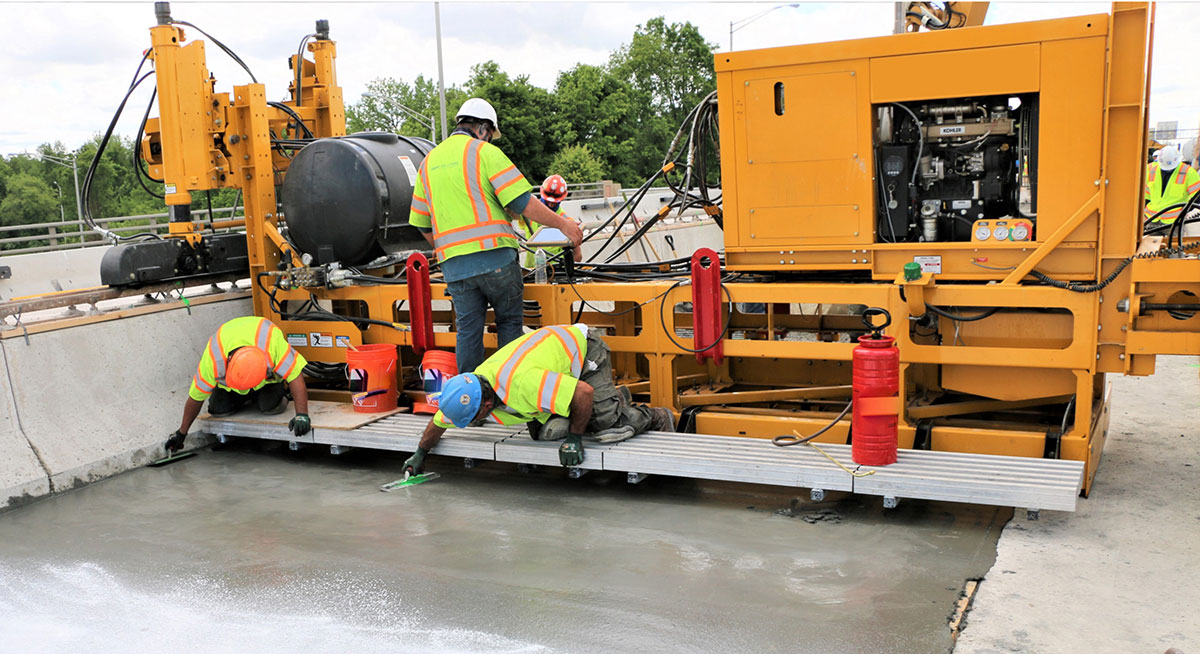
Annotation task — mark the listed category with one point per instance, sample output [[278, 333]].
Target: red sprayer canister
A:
[[876, 387]]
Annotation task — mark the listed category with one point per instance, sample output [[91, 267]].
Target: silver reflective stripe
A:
[[550, 381], [218, 357], [263, 334], [204, 386], [496, 230], [474, 184], [572, 350], [504, 377], [419, 204], [504, 178], [286, 363]]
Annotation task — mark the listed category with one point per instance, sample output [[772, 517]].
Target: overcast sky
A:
[[66, 65]]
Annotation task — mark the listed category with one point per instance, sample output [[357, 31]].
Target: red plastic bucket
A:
[[437, 366], [372, 371]]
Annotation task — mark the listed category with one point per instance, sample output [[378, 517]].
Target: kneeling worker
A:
[[248, 361], [559, 381]]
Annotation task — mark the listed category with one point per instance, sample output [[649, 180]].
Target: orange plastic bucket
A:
[[372, 370], [437, 366]]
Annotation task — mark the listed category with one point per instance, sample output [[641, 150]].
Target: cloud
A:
[[68, 65]]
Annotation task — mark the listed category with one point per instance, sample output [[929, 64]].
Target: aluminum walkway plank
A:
[[729, 458], [1020, 482], [918, 474]]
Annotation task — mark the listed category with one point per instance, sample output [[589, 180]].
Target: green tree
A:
[[378, 109], [670, 69], [525, 113], [577, 165], [594, 107], [28, 201]]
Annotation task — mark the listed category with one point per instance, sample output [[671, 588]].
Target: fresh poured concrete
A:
[[248, 550]]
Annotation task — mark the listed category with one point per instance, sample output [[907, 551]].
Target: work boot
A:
[[612, 434], [661, 419]]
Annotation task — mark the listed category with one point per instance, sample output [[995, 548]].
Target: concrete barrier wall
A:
[[86, 402]]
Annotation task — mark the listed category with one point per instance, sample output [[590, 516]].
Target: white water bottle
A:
[[539, 266]]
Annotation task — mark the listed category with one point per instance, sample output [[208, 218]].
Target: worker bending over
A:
[[1169, 181], [248, 361], [463, 188], [558, 380]]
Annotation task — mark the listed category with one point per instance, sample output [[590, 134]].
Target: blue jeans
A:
[[504, 290]]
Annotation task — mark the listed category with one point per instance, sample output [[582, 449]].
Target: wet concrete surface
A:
[[258, 549]]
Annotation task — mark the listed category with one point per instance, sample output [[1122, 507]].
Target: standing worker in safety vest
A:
[[465, 185], [248, 361], [559, 381], [554, 191], [1169, 182]]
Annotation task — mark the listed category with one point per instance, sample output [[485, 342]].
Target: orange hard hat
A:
[[554, 188], [247, 368]]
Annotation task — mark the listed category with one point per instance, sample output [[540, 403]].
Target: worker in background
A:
[[558, 380], [1169, 181], [247, 362], [553, 192], [464, 187]]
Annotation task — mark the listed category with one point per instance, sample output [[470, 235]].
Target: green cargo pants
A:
[[611, 411]]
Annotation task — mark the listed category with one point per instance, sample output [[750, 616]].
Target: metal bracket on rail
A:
[[420, 302], [1053, 443], [923, 439]]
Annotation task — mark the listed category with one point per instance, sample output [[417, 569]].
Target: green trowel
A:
[[409, 480]]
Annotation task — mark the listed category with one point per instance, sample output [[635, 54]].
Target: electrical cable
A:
[[137, 144], [920, 142]]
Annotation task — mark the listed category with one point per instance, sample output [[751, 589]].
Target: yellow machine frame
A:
[[798, 197]]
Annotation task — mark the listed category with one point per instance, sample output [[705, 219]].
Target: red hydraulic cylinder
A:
[[706, 305], [420, 302], [875, 387]]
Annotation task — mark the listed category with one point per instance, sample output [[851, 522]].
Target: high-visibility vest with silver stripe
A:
[[462, 187], [286, 362], [528, 373], [1184, 182]]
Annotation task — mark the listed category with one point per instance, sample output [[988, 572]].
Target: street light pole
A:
[[62, 161], [746, 21], [437, 22]]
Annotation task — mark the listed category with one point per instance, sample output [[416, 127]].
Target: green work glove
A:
[[415, 464], [175, 441], [570, 453], [300, 425]]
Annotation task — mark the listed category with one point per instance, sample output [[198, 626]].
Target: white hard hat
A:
[[480, 109], [1169, 158]]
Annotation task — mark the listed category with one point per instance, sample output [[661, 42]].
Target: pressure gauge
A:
[[1000, 233], [1020, 232], [982, 232]]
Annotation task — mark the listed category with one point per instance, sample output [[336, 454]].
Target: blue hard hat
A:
[[460, 399]]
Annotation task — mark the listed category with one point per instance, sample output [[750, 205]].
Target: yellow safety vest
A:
[[462, 187], [528, 229], [286, 362], [534, 376], [1185, 181]]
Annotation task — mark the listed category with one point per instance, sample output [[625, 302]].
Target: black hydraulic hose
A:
[[953, 316], [299, 95], [223, 48], [786, 440], [295, 116], [724, 330]]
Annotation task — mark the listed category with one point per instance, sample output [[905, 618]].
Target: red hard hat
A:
[[247, 368], [554, 188]]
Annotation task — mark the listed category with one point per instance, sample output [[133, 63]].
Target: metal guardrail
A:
[[76, 234], [602, 189]]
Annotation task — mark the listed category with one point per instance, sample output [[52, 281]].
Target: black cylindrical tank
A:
[[346, 199]]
